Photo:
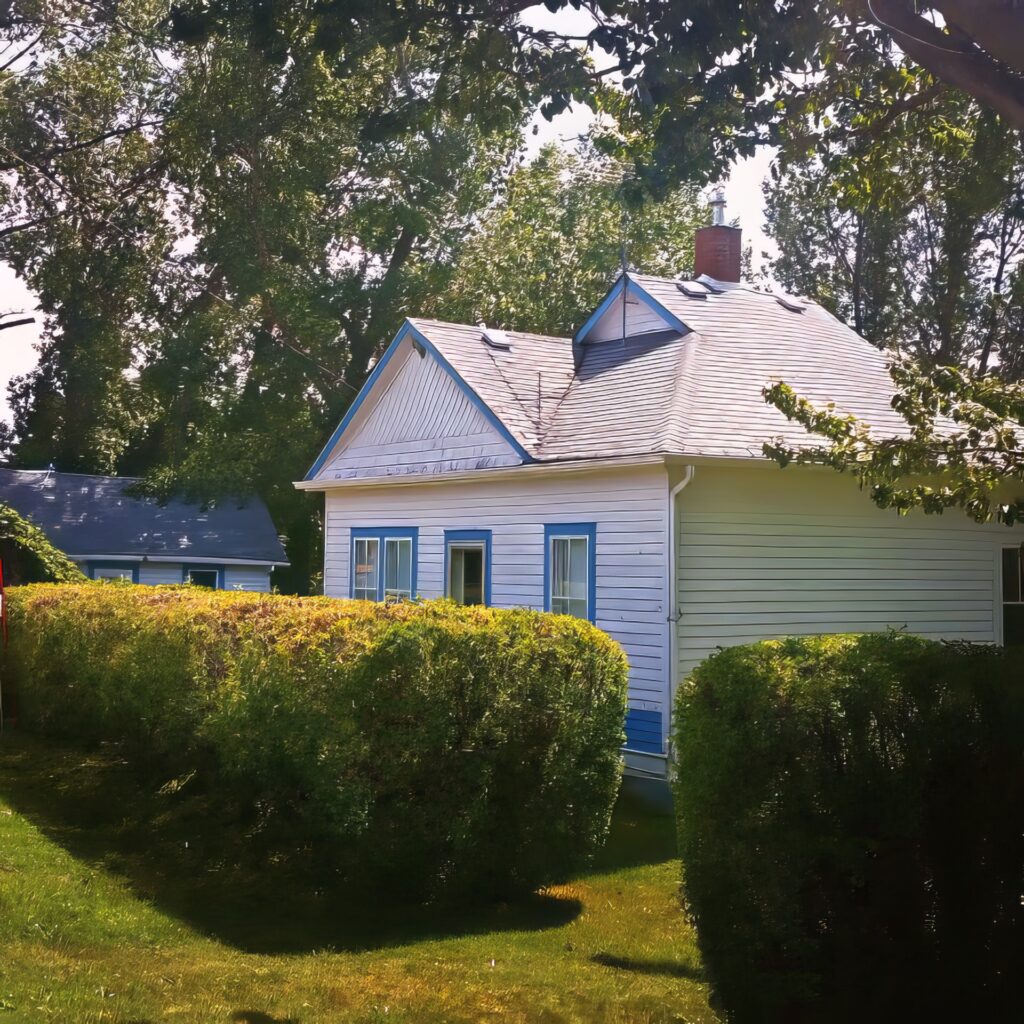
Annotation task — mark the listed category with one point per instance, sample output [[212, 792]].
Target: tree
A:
[[706, 81], [216, 283], [963, 446], [917, 241], [542, 256]]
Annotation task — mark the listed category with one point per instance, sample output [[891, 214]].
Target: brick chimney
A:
[[717, 247]]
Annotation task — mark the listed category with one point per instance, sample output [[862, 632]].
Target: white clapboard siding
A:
[[629, 508], [417, 421], [765, 552], [255, 578], [640, 319]]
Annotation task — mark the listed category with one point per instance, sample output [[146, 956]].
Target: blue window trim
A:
[[219, 569], [470, 536], [381, 534], [636, 290], [92, 566], [588, 530], [407, 330]]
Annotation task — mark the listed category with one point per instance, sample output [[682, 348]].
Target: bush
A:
[[851, 812], [28, 555], [439, 749]]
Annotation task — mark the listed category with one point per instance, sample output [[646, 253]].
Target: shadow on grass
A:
[[193, 860], [665, 968]]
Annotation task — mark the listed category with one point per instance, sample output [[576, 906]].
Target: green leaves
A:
[[963, 447]]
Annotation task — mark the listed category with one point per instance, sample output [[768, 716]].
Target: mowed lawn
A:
[[124, 902]]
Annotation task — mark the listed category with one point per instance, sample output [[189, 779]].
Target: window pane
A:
[[112, 574], [570, 569], [456, 570], [578, 568], [365, 569], [203, 578], [1013, 625], [398, 568], [1011, 574]]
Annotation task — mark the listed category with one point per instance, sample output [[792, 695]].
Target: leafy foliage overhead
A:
[[915, 240]]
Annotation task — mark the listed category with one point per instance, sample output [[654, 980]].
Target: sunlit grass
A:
[[120, 904]]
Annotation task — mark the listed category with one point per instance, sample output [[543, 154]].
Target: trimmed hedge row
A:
[[851, 824], [440, 749]]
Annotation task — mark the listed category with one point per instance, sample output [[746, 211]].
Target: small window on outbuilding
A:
[[209, 578], [1013, 597]]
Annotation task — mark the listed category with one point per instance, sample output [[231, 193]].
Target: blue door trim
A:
[[91, 566], [588, 530], [408, 330], [638, 292], [381, 534], [218, 569], [478, 537]]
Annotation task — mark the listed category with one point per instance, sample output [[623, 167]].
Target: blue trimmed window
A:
[[113, 571], [209, 576], [570, 563], [467, 566], [384, 563]]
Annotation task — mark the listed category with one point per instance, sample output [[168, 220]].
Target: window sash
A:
[[110, 572], [569, 558], [365, 564], [398, 569], [456, 582]]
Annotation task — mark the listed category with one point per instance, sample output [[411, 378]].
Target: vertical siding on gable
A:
[[769, 552], [640, 319], [419, 423], [628, 508]]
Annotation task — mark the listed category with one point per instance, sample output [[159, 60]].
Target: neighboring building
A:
[[619, 476], [230, 546]]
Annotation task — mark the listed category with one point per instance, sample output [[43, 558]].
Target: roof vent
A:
[[791, 304], [494, 338], [692, 289]]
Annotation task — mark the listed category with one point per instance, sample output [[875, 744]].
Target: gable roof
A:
[[688, 382], [91, 516]]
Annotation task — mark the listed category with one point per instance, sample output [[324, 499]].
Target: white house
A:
[[619, 476], [113, 535]]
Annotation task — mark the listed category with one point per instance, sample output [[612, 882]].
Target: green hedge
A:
[[28, 555], [851, 824], [439, 749]]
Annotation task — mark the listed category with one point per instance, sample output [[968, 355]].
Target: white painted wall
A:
[[417, 422], [765, 552], [629, 508]]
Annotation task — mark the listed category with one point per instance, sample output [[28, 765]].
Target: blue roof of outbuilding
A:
[[92, 516]]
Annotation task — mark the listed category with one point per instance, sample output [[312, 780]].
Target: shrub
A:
[[28, 556], [851, 811], [439, 749]]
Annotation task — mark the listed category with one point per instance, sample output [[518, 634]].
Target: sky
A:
[[742, 193]]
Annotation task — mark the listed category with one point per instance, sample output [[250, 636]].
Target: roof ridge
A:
[[476, 327]]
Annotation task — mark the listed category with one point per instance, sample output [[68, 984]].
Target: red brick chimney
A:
[[717, 247]]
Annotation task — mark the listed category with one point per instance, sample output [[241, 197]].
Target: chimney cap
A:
[[717, 204]]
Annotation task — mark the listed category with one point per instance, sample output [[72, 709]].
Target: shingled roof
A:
[[696, 391], [90, 516]]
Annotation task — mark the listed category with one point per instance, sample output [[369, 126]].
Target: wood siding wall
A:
[[418, 422], [640, 319], [766, 552], [629, 509]]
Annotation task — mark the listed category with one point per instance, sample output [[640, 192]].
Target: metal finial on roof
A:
[[718, 206]]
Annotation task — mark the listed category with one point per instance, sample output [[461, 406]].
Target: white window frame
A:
[[569, 532], [1003, 603], [366, 593], [397, 593]]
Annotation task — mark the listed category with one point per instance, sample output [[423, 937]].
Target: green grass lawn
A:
[[122, 902]]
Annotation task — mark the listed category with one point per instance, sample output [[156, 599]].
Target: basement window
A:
[[1013, 597]]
